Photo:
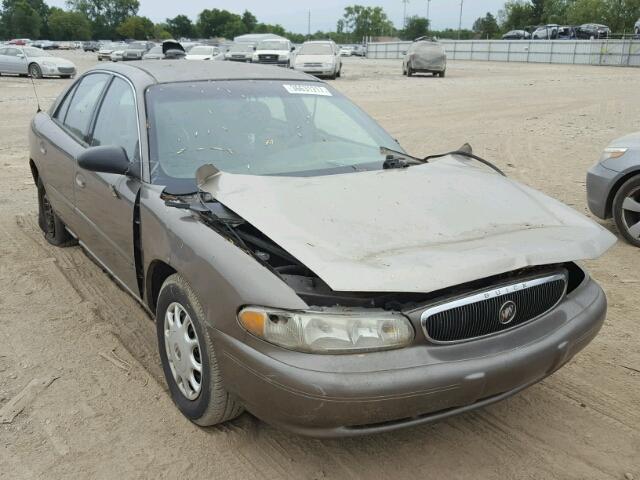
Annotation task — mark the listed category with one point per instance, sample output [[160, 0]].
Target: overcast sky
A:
[[292, 14]]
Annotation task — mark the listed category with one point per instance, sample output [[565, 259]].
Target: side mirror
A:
[[293, 48], [20, 55], [106, 159]]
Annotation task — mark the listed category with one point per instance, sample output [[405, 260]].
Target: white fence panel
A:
[[580, 52]]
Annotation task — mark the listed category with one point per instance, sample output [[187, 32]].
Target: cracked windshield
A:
[[258, 128]]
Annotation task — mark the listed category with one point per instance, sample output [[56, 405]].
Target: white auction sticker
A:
[[308, 90]]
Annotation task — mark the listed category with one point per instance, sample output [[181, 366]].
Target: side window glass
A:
[[117, 122], [83, 104], [64, 106]]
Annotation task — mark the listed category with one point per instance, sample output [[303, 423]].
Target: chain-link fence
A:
[[624, 53]]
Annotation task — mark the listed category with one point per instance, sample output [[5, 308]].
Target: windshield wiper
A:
[[397, 159]]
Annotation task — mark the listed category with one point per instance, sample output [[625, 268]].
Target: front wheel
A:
[[626, 210], [35, 71], [409, 70], [188, 356], [442, 74]]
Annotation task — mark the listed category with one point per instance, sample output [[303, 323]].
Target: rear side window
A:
[[117, 121], [64, 106], [83, 104]]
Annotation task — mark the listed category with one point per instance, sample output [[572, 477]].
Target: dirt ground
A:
[[107, 413]]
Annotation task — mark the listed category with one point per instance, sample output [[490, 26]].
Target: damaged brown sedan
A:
[[297, 262]]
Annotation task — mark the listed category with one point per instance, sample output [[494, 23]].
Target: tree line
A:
[[119, 19]]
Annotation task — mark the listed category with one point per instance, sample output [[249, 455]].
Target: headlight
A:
[[327, 65], [613, 152], [328, 332], [284, 56]]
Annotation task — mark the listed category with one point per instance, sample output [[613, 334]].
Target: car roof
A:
[[170, 71]]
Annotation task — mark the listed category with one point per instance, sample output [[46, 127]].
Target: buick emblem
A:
[[507, 313]]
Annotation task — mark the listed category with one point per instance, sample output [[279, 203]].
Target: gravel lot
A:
[[107, 414]]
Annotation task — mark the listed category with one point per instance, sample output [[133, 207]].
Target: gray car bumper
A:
[[334, 396], [600, 181]]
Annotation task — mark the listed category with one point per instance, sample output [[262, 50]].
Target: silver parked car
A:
[[425, 55], [319, 58], [613, 186], [297, 263], [34, 62]]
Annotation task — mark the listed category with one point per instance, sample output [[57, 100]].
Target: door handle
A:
[[80, 181]]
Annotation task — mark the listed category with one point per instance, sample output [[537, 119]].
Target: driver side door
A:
[[105, 202], [14, 61]]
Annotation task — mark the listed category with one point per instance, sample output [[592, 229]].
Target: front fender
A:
[[223, 276]]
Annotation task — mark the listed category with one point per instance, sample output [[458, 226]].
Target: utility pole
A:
[[428, 11], [404, 15], [460, 21], [309, 25]]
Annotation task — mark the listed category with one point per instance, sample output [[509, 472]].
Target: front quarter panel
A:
[[223, 276]]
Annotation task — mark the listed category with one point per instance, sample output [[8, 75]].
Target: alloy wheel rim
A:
[[183, 351], [631, 213], [34, 71]]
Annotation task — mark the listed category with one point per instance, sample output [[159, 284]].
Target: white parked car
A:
[[105, 51], [34, 62], [239, 52], [202, 52], [117, 55], [346, 51], [319, 58], [274, 52]]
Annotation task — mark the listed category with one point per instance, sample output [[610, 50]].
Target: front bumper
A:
[[600, 181], [318, 72], [335, 396]]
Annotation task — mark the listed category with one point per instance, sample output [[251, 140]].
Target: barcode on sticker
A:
[[308, 90]]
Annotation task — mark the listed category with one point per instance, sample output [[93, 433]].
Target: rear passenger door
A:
[[105, 201], [65, 140]]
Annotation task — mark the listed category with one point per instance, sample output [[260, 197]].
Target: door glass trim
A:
[[137, 107]]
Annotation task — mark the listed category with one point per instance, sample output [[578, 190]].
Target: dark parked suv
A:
[[590, 31], [136, 50], [90, 46]]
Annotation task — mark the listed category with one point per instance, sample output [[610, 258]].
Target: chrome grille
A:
[[268, 58], [313, 65], [489, 311]]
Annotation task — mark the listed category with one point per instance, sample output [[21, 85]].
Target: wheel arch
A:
[[157, 272], [34, 171], [616, 187]]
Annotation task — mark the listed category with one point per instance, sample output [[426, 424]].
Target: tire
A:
[[442, 73], [339, 74], [626, 218], [51, 225], [212, 404], [35, 71], [409, 70], [65, 76]]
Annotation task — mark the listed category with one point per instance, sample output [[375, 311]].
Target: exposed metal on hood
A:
[[410, 230]]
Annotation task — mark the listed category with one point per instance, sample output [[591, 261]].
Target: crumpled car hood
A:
[[418, 229]]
